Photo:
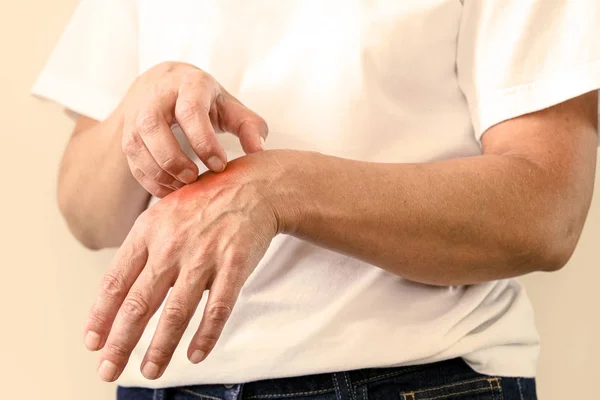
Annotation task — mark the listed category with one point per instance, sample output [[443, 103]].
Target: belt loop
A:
[[343, 386], [159, 394], [233, 393]]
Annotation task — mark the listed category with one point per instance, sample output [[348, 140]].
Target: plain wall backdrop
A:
[[48, 281]]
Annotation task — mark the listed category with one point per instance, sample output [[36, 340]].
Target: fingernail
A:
[[176, 184], [92, 340], [262, 143], [187, 176], [150, 370], [197, 356], [215, 164], [107, 371]]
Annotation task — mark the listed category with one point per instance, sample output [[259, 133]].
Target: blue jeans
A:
[[452, 379]]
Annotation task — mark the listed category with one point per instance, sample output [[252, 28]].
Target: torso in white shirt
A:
[[376, 80], [368, 81]]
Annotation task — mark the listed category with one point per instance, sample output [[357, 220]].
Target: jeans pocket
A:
[[481, 388], [473, 389]]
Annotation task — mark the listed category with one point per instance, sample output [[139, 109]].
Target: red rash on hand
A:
[[211, 180]]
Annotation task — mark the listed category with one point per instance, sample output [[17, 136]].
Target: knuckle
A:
[[172, 243], [170, 163], [135, 307], [219, 312], [203, 144], [147, 122], [158, 355], [112, 285], [137, 173], [169, 249], [207, 339], [186, 109], [176, 316], [130, 144], [166, 66], [116, 351], [196, 77], [96, 319], [197, 269], [161, 176], [254, 122]]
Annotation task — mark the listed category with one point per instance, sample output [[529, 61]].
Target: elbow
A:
[[86, 240], [78, 223], [552, 242], [82, 233], [554, 255], [560, 248]]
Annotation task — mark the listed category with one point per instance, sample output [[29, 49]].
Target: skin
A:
[[178, 92], [191, 242], [133, 153], [518, 208], [94, 179]]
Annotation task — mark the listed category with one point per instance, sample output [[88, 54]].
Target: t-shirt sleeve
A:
[[95, 60], [515, 57]]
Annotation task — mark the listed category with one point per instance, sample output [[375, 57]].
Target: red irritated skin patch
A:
[[206, 181], [257, 166]]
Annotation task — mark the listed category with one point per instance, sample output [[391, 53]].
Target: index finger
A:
[[155, 131], [119, 277], [250, 128], [192, 114]]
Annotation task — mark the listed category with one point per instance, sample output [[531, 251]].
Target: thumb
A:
[[250, 128]]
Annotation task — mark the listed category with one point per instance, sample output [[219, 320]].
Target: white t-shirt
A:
[[376, 80]]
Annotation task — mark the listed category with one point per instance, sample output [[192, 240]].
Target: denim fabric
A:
[[452, 379]]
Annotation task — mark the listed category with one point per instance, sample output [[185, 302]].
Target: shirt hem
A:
[[76, 97], [513, 102]]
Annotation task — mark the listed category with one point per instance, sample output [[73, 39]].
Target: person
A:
[[389, 168]]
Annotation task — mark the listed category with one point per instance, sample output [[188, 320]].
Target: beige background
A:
[[48, 280]]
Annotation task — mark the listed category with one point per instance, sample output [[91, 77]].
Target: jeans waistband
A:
[[339, 382]]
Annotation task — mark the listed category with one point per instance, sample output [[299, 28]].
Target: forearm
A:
[[97, 194], [453, 222]]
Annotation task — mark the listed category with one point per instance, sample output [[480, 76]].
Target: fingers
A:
[[163, 162], [125, 268], [142, 301], [192, 113], [151, 186], [179, 309], [156, 134], [224, 292], [248, 126]]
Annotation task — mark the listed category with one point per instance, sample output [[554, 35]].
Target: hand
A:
[[181, 93], [209, 235]]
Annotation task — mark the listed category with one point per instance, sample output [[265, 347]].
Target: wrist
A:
[[290, 178]]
